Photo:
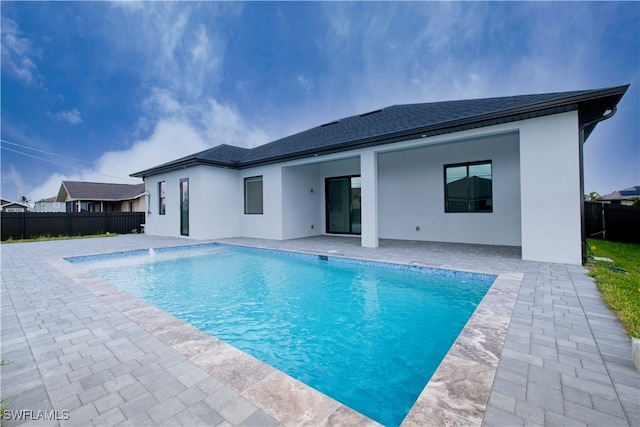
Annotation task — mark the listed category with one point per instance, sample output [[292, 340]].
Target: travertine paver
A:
[[98, 356]]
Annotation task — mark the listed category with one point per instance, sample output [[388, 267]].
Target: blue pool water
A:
[[369, 335]]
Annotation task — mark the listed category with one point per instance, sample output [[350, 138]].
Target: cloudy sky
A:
[[94, 91]]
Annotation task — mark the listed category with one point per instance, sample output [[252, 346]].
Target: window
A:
[[162, 207], [253, 195], [184, 207], [468, 187]]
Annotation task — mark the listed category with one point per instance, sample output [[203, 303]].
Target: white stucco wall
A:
[[168, 224], [536, 192], [302, 202], [550, 186], [302, 208], [267, 225], [411, 193], [214, 203]]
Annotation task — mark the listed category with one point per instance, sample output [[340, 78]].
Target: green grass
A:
[[46, 238], [620, 291]]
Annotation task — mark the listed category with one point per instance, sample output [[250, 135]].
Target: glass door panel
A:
[[343, 205], [356, 213], [184, 207], [338, 215]]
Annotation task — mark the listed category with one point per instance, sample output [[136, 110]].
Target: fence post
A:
[[604, 222], [68, 223], [22, 225]]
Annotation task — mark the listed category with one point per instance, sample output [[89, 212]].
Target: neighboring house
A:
[[496, 171], [624, 197], [9, 206], [50, 204], [101, 197]]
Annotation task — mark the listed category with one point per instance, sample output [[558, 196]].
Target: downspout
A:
[[583, 126]]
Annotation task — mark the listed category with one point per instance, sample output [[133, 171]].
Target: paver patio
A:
[[88, 354]]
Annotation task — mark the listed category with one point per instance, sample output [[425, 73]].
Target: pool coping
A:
[[457, 393]]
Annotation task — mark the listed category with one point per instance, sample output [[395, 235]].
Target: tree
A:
[[25, 200], [593, 196]]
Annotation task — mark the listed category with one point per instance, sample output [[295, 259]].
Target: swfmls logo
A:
[[40, 415]]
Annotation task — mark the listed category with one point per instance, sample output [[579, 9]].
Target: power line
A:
[[57, 163], [4, 141]]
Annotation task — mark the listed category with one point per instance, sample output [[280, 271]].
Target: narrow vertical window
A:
[[161, 198], [468, 187], [184, 206], [253, 195]]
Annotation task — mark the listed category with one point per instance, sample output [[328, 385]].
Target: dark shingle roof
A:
[[78, 190], [403, 122]]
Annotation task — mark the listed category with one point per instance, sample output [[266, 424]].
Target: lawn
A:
[[619, 290]]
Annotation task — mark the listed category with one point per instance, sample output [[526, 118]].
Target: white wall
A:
[[411, 193], [215, 195], [302, 208], [536, 192], [215, 201], [550, 186], [168, 224], [267, 225], [302, 202]]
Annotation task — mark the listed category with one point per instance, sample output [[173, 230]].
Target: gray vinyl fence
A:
[[28, 225], [617, 223]]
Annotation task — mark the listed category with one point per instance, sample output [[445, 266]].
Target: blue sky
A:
[[94, 91]]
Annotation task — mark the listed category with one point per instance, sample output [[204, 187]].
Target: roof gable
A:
[[403, 122]]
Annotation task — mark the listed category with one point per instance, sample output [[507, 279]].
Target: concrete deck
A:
[[541, 348]]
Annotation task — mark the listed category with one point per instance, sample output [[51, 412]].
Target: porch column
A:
[[369, 198]]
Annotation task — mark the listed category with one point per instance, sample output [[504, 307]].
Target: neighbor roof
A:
[[77, 190], [403, 122], [627, 193], [48, 199], [6, 203]]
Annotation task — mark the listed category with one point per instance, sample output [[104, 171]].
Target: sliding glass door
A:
[[343, 205]]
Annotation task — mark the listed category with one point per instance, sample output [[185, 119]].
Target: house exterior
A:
[[473, 171], [9, 206], [80, 196], [50, 204], [623, 197]]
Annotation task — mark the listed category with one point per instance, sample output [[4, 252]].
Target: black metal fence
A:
[[28, 225], [617, 223]]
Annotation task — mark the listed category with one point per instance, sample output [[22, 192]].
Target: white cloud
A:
[[170, 140], [11, 177], [17, 53], [305, 82], [172, 48], [72, 117], [183, 130], [226, 125]]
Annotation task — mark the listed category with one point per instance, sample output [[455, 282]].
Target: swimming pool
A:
[[368, 334]]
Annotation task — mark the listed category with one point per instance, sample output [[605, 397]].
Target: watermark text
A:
[[39, 415]]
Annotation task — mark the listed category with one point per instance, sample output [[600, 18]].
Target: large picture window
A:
[[162, 207], [253, 195], [468, 187]]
